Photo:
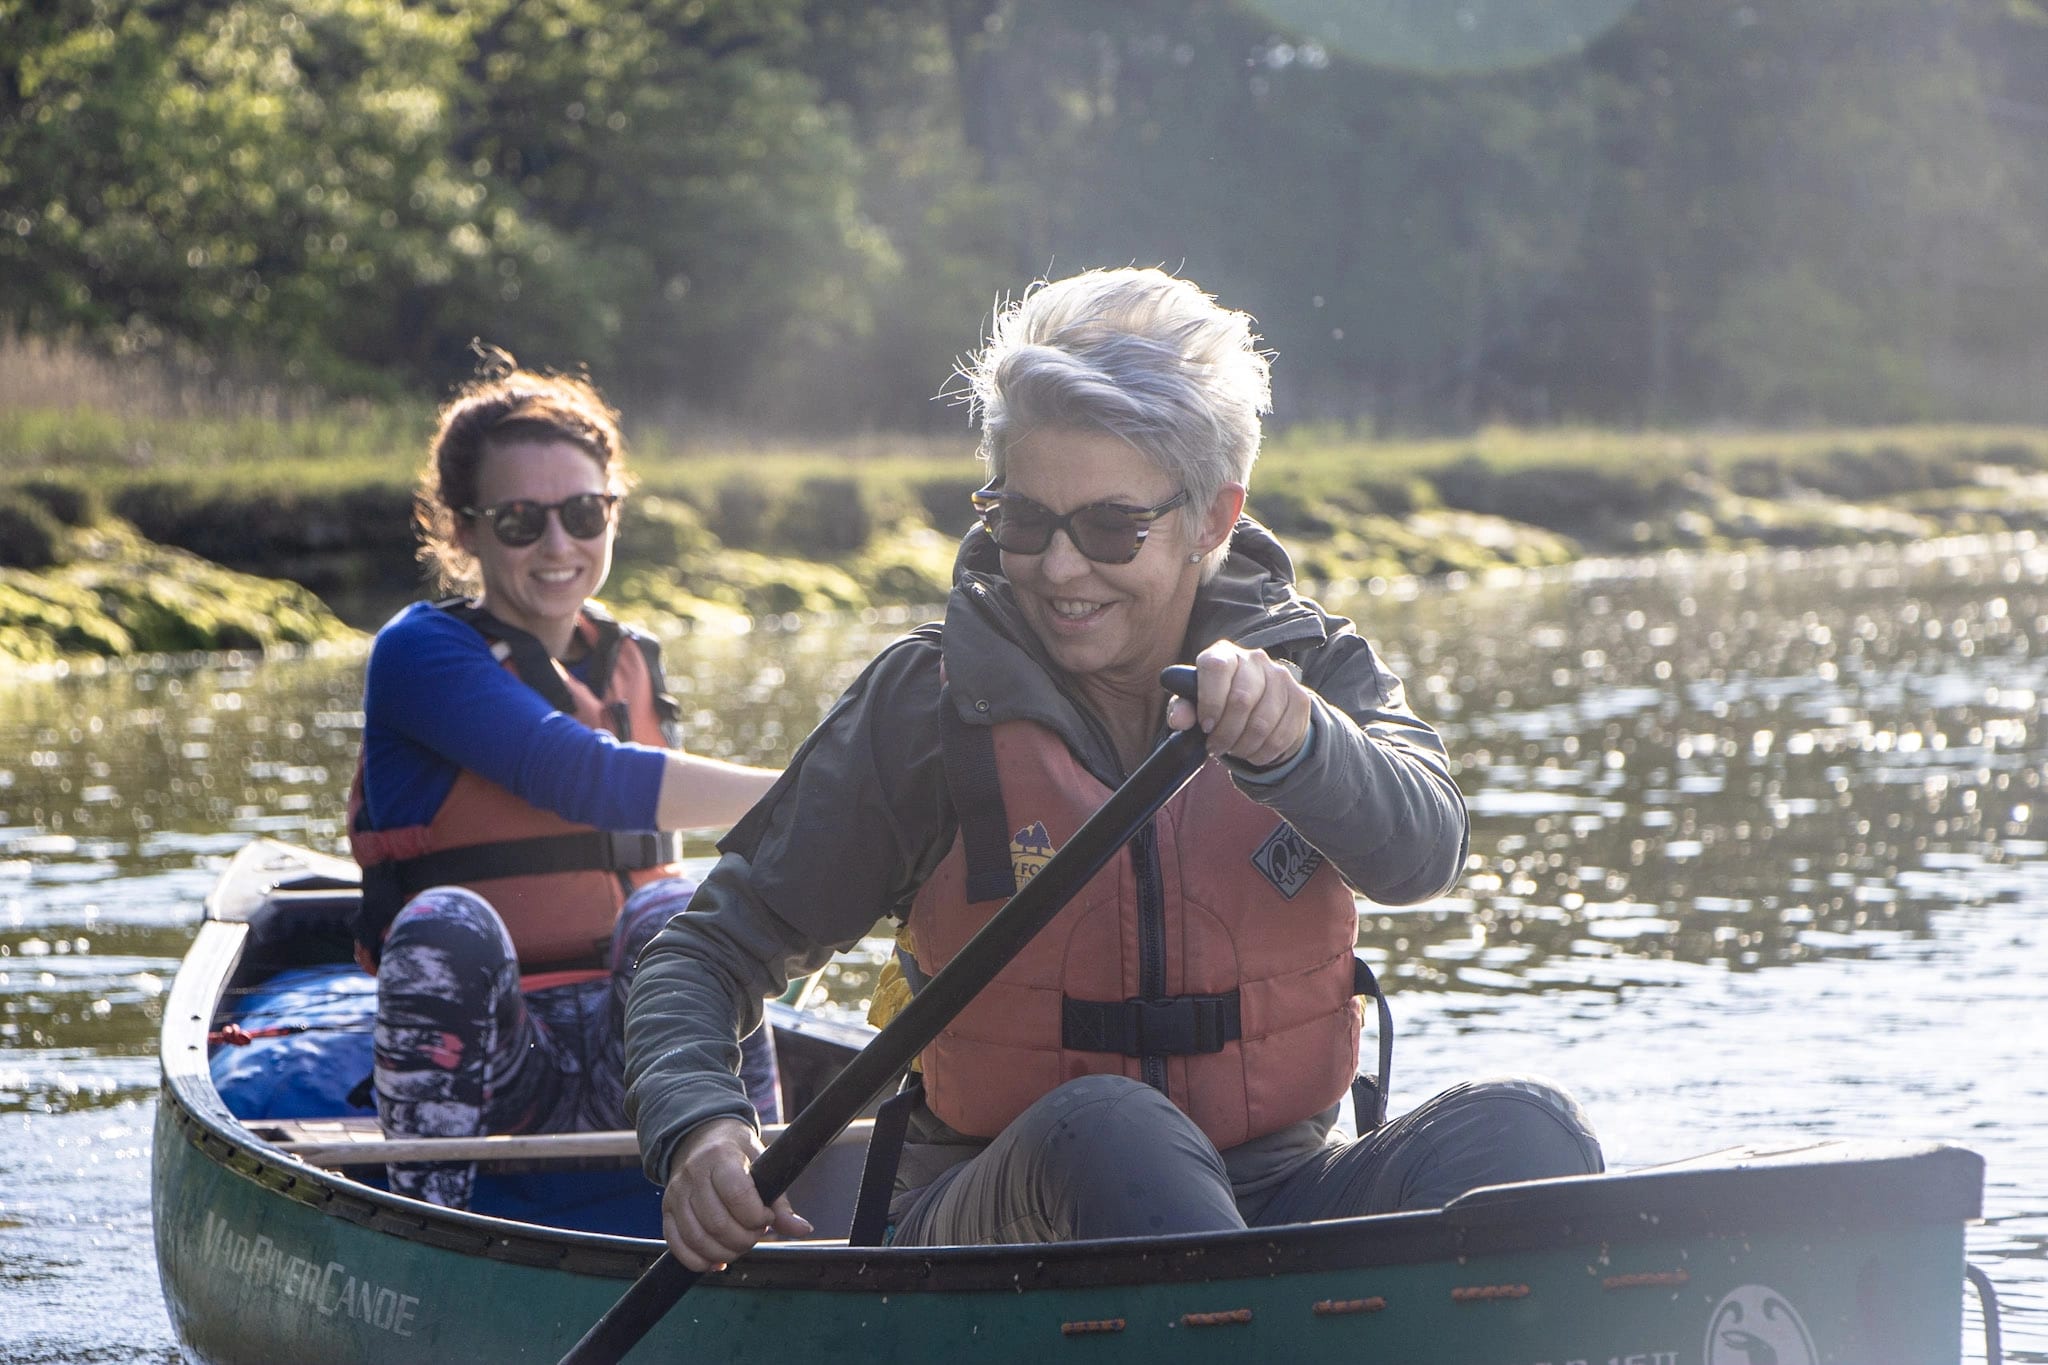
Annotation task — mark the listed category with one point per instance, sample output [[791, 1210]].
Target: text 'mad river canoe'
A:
[[276, 1242]]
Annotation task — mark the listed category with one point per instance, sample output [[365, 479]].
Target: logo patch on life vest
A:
[[1287, 860], [1030, 850]]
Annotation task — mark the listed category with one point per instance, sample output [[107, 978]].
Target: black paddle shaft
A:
[[1129, 809]]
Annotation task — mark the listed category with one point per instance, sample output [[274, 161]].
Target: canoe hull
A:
[[1849, 1254], [260, 1265]]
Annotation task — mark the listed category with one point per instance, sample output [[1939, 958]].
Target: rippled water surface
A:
[[1757, 853]]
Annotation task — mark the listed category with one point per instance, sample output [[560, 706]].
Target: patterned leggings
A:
[[460, 1051]]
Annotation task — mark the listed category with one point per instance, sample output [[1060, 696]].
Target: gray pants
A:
[[1106, 1156]]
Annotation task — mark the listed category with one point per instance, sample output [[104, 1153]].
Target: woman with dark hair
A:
[[1169, 1053], [519, 789]]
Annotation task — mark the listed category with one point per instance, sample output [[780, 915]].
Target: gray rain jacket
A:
[[862, 815]]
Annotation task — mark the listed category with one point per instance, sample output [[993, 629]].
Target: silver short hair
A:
[[1137, 353]]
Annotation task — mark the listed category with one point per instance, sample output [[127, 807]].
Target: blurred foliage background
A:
[[792, 215]]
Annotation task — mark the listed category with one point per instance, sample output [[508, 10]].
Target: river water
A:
[[1759, 852]]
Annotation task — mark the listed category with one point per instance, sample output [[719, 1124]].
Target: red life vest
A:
[[557, 885], [1213, 958]]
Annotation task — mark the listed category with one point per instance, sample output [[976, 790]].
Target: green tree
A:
[[707, 194], [1390, 230], [1807, 210], [260, 181]]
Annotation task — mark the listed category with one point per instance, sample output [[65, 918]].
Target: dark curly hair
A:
[[503, 404]]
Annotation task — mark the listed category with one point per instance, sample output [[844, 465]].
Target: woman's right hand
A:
[[710, 1211]]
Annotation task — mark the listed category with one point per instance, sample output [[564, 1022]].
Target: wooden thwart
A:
[[335, 1143]]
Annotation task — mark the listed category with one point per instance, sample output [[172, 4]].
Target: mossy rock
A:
[[1590, 504], [1884, 471], [651, 600], [42, 621], [911, 566], [121, 594], [655, 531], [947, 503], [1290, 512], [1398, 497], [2012, 455], [30, 538], [739, 513], [1807, 524], [69, 501], [1438, 542], [1759, 476], [741, 580], [824, 517], [264, 526]]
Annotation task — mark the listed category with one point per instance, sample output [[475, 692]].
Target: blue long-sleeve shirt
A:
[[436, 702]]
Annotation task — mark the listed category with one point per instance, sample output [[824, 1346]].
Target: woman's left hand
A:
[[1250, 705]]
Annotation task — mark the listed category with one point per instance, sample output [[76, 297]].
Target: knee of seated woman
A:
[[1101, 1088], [1525, 1113], [1095, 1133], [450, 918], [652, 906], [1110, 1108], [664, 894], [1536, 1090]]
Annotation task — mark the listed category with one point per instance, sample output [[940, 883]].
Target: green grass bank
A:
[[253, 530]]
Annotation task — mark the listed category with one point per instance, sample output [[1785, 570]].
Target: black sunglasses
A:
[[1106, 532], [521, 522]]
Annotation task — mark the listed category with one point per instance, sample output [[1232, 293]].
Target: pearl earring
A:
[[1195, 558]]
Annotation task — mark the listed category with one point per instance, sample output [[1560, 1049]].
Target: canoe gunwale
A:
[[1832, 1186]]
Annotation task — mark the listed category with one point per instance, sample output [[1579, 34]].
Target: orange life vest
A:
[[557, 885], [1212, 957]]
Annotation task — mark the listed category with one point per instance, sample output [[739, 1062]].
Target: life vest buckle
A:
[[631, 850], [1179, 1025]]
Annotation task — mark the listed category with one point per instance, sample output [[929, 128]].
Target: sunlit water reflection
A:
[[1756, 854]]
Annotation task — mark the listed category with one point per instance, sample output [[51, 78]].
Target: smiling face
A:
[[1112, 626], [539, 587]]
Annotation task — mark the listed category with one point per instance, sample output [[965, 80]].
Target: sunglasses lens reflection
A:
[[586, 515], [1103, 534], [520, 523], [1107, 535]]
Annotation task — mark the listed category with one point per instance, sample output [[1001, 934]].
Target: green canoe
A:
[[276, 1247]]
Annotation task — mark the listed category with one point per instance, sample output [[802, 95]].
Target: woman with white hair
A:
[[1169, 1054]]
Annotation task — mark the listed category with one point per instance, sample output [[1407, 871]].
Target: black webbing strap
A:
[[668, 712], [604, 652], [969, 755], [597, 850], [598, 670], [530, 658], [878, 1172], [1178, 1025], [1369, 1096]]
